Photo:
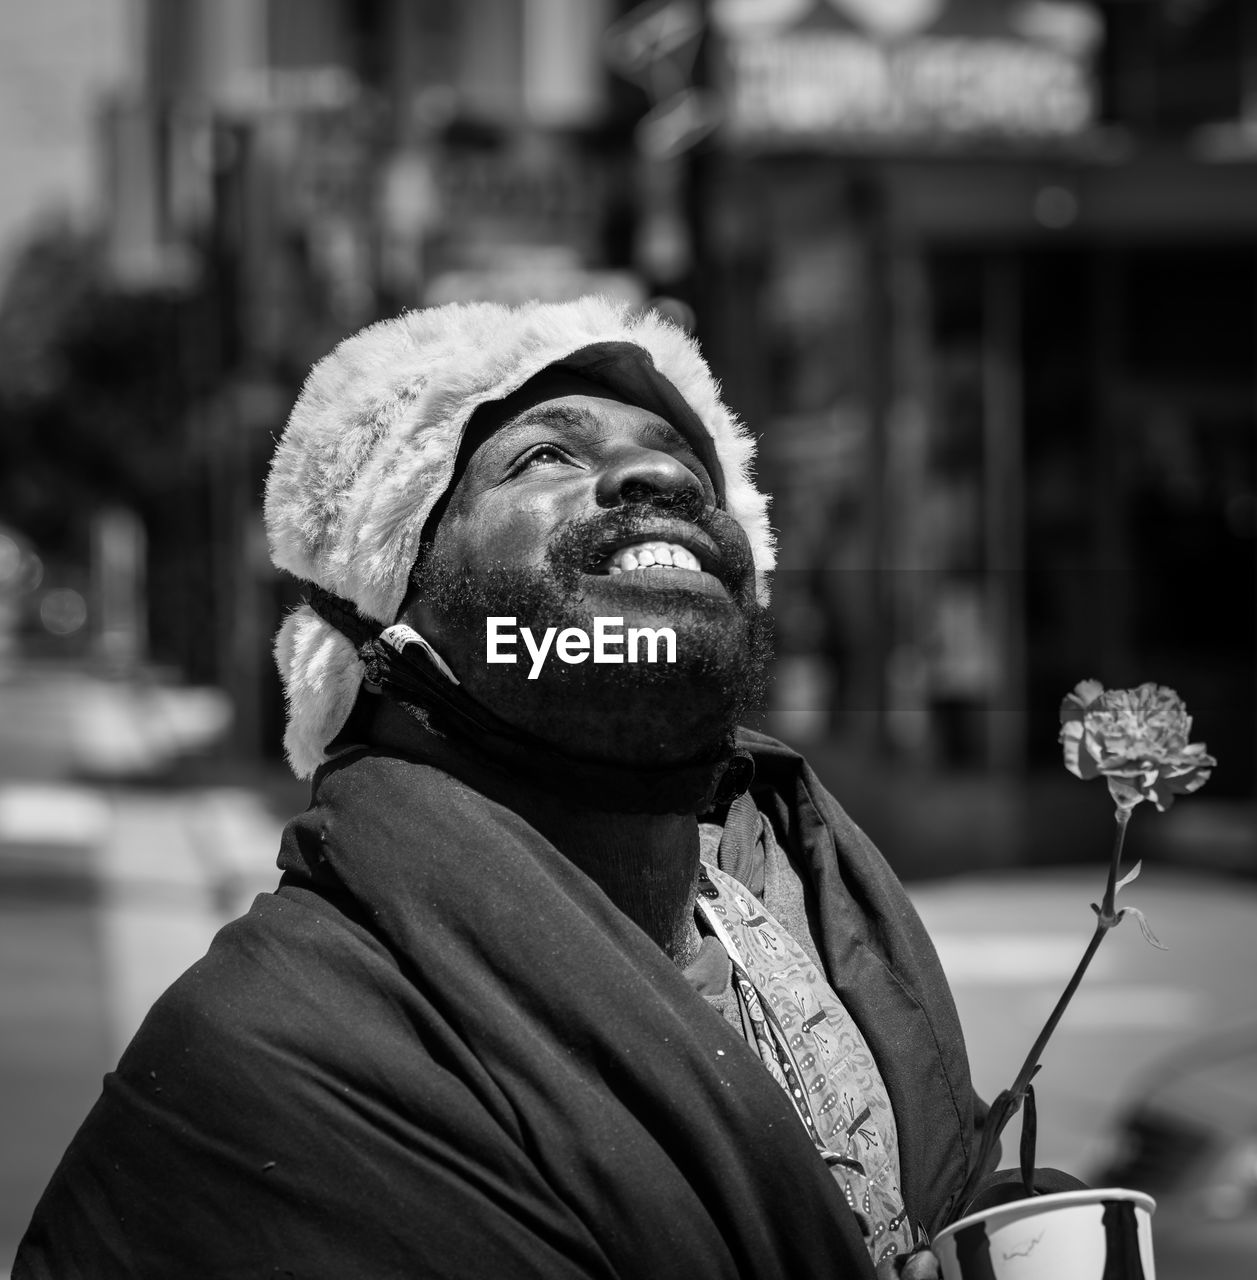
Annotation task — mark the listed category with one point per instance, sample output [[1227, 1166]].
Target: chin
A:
[[641, 714], [648, 721]]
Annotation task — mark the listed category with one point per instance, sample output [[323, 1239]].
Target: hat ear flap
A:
[[321, 674]]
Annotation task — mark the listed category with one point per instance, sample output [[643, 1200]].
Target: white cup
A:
[[1105, 1234]]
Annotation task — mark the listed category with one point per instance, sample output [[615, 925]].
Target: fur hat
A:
[[371, 445]]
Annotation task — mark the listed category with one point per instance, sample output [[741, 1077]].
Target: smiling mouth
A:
[[650, 553], [668, 554]]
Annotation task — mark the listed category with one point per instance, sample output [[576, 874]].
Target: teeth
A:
[[644, 555]]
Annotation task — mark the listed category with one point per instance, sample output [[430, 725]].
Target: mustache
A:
[[579, 545]]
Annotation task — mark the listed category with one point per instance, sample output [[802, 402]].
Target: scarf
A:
[[440, 1050]]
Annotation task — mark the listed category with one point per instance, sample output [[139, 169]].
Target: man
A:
[[565, 975]]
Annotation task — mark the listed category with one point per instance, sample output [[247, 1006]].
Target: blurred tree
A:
[[90, 392]]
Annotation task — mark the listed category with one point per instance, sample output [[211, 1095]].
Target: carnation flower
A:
[[1137, 739]]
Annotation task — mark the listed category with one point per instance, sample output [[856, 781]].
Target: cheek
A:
[[513, 531]]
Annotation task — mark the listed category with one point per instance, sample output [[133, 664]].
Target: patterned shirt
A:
[[811, 1046]]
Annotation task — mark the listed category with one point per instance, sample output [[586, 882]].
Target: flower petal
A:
[[1087, 691], [1137, 738], [1071, 741], [1132, 874]]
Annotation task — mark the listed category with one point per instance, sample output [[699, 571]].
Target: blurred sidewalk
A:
[[1008, 943], [122, 851]]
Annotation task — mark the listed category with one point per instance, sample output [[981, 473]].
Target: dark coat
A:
[[440, 1050]]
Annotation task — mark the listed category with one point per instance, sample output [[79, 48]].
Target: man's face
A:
[[565, 495]]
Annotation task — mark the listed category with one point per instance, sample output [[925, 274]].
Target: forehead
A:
[[562, 401]]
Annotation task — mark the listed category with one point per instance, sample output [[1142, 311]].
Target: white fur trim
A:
[[371, 444], [322, 674]]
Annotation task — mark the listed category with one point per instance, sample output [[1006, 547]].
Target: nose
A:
[[638, 472]]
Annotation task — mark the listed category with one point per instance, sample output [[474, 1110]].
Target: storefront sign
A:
[[939, 72]]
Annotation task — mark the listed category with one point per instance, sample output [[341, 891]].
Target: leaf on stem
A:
[[1125, 795], [1132, 874], [1149, 937]]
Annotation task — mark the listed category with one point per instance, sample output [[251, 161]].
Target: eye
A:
[[541, 455]]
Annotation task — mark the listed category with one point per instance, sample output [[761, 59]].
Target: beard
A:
[[630, 713]]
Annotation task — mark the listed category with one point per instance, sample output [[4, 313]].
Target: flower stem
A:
[[1122, 817], [1007, 1103], [1106, 919]]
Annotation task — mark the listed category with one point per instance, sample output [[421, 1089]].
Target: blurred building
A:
[[294, 169], [57, 59], [982, 274]]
